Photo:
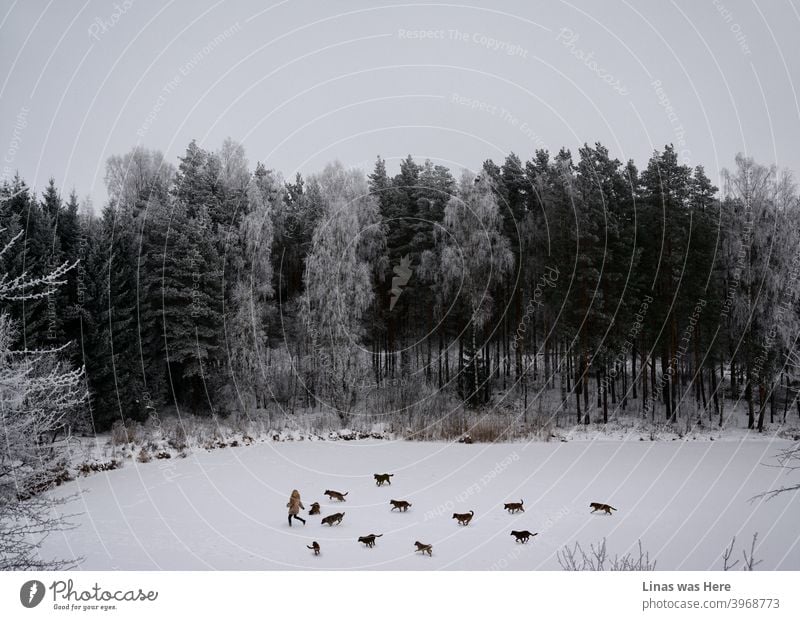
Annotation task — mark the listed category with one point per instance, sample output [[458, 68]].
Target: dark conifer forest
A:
[[569, 287]]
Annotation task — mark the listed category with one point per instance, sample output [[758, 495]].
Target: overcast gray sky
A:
[[303, 82]]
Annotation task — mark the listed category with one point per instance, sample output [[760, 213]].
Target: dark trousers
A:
[[296, 517]]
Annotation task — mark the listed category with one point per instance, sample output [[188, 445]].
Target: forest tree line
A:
[[211, 288]]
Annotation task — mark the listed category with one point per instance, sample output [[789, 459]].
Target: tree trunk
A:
[[797, 402], [762, 405], [654, 399], [721, 391], [772, 402], [665, 384], [505, 347], [599, 387], [714, 390], [535, 350], [585, 382], [498, 370], [624, 366], [786, 396], [563, 379], [749, 396], [548, 362], [439, 360], [578, 365], [702, 389], [475, 360], [568, 361], [447, 361], [613, 382]]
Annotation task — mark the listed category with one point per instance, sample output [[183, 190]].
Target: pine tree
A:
[[183, 313], [35, 255], [475, 256], [665, 229], [112, 358]]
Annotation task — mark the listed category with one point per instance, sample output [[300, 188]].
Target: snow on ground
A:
[[225, 509]]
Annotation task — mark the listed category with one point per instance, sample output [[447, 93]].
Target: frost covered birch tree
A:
[[764, 203], [339, 283], [40, 401], [251, 295]]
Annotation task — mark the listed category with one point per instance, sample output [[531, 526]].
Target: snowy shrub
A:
[[749, 560], [44, 479], [122, 433], [237, 422], [541, 427], [152, 429], [119, 434], [144, 456], [88, 467], [576, 559], [321, 423], [175, 434], [488, 431]]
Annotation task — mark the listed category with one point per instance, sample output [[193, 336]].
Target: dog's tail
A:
[[309, 546], [378, 535], [472, 512], [343, 494], [612, 508], [390, 475], [521, 502]]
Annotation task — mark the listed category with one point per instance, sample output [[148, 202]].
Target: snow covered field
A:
[[225, 509]]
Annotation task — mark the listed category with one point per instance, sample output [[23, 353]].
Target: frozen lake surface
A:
[[225, 509]]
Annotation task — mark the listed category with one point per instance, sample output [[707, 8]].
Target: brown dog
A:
[[522, 536], [514, 507], [314, 509], [336, 495], [601, 507], [334, 518], [381, 478], [424, 548], [400, 504], [315, 546], [464, 518], [369, 540]]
